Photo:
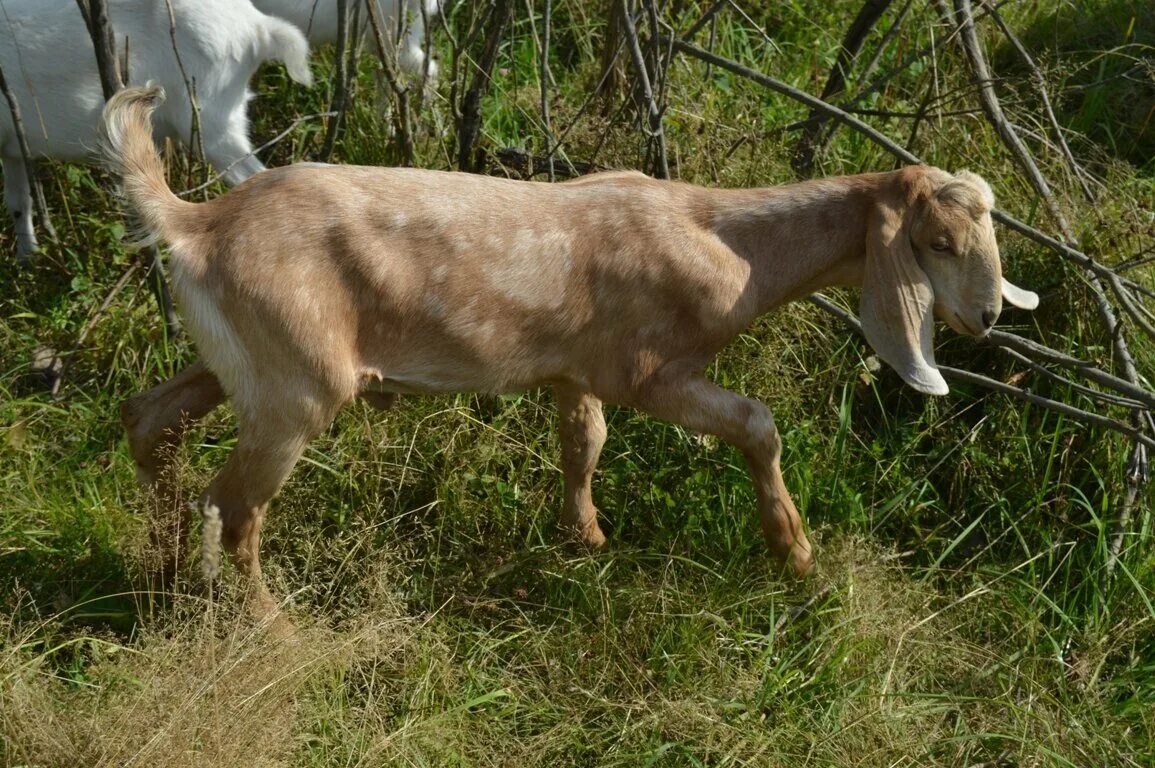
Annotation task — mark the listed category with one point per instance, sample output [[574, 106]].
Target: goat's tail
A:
[[285, 43], [129, 152]]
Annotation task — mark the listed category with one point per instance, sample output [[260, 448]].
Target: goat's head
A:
[[931, 251]]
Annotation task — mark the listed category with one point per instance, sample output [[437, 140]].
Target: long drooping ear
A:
[[1018, 297], [897, 306]]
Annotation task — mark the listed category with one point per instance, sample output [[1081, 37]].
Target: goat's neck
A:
[[799, 238]]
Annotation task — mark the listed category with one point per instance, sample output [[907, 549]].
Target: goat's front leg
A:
[[703, 406], [156, 421], [18, 198], [583, 433]]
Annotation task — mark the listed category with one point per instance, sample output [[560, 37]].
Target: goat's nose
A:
[[989, 318]]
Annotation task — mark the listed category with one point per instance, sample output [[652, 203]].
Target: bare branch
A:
[[856, 35], [1040, 84], [341, 79], [545, 78], [402, 121], [956, 374], [469, 123], [656, 134]]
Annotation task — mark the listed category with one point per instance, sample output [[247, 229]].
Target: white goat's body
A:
[[318, 20], [47, 57]]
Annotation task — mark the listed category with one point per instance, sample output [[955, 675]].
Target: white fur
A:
[[47, 57], [318, 20]]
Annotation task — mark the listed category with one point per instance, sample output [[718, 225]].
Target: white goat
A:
[[47, 57], [404, 22], [310, 285]]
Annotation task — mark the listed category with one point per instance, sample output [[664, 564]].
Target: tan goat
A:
[[307, 286]]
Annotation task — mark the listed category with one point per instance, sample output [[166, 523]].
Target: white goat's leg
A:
[[270, 442], [229, 150], [583, 433], [703, 406], [156, 421], [18, 198]]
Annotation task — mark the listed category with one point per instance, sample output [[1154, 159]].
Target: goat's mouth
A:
[[963, 327]]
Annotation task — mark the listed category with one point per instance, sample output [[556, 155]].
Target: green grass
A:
[[961, 614]]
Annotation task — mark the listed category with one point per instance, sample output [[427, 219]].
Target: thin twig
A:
[[469, 122], [545, 79], [706, 18], [655, 133], [341, 78], [868, 16], [275, 140], [1077, 414], [196, 139], [403, 121], [1040, 84], [88, 326], [1087, 370]]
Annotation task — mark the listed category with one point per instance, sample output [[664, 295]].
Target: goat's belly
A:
[[464, 376]]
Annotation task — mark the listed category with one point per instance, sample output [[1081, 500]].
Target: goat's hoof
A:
[[26, 253], [801, 562], [588, 536]]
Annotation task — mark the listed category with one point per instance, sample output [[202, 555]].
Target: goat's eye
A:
[[940, 244]]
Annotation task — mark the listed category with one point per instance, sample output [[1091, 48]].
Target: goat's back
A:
[[433, 281]]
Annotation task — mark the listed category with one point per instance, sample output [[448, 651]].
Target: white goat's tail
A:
[[129, 152], [285, 43]]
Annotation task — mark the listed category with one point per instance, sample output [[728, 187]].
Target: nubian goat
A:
[[46, 54], [404, 21], [310, 285]]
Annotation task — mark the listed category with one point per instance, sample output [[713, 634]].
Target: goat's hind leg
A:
[[18, 198], [270, 441], [156, 421], [703, 406], [583, 433]]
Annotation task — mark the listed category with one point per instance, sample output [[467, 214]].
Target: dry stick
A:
[[403, 120], [1083, 389], [1078, 414], [1040, 84], [341, 78], [545, 78], [196, 138], [868, 16], [1136, 475], [469, 125], [706, 18], [95, 13], [609, 82], [887, 37], [39, 204], [662, 169], [88, 326], [1088, 370]]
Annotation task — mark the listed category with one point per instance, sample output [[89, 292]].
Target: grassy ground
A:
[[961, 614]]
